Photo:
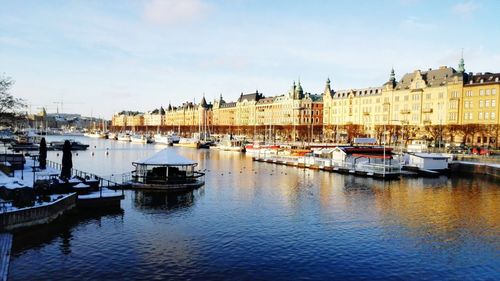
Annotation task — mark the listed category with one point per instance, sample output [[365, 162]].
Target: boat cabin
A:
[[166, 168], [429, 161]]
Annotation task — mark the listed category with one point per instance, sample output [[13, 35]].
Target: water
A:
[[259, 221]]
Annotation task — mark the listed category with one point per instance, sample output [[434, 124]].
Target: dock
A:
[[5, 247], [380, 173]]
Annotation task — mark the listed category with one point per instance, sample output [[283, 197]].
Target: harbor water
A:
[[259, 221]]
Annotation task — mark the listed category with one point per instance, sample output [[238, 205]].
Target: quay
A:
[[476, 168]]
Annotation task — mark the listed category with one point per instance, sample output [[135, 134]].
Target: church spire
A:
[[392, 77], [461, 64]]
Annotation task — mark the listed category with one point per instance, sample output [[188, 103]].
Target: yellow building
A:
[[223, 113], [480, 107], [156, 117]]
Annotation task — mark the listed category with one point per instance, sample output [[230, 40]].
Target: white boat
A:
[[166, 170], [258, 148], [141, 139], [97, 134], [230, 145], [163, 139], [123, 137], [113, 136]]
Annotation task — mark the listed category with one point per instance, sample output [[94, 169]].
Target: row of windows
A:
[[487, 92]]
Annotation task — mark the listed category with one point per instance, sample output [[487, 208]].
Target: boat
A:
[[163, 139], [230, 145], [427, 164], [113, 136], [75, 145], [188, 142], [174, 137], [257, 148], [123, 137], [141, 139], [97, 135], [166, 170]]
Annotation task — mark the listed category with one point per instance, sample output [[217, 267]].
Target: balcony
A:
[[427, 110], [427, 122], [366, 113], [404, 111]]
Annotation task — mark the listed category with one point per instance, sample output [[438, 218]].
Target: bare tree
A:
[[436, 132], [10, 106]]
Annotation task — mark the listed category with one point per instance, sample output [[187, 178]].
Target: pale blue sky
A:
[[105, 56]]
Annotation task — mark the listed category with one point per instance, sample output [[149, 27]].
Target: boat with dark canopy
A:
[[166, 170]]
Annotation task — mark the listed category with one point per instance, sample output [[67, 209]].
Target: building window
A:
[[487, 103], [428, 96], [493, 116], [493, 103], [487, 92], [480, 116], [396, 99], [481, 103], [486, 115], [468, 93], [481, 92], [441, 95], [493, 92]]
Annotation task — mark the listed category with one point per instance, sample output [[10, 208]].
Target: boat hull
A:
[[168, 187], [191, 145]]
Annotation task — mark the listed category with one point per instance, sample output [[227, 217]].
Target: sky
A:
[[100, 57]]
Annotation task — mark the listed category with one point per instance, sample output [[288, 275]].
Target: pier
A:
[[374, 171]]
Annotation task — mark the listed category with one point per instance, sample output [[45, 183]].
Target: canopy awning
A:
[[373, 156], [165, 157]]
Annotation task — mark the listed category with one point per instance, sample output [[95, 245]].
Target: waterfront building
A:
[[224, 115], [189, 117], [480, 108], [155, 117], [435, 104]]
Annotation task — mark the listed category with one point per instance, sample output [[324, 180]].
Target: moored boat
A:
[[230, 145], [257, 148], [166, 170], [97, 134], [75, 145], [123, 137], [163, 139], [185, 142], [141, 139]]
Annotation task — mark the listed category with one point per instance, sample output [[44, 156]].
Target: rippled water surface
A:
[[261, 221]]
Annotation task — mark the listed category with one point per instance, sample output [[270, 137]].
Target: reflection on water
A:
[[164, 200], [60, 231], [255, 220]]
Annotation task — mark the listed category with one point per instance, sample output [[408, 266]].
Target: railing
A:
[[197, 176], [103, 182]]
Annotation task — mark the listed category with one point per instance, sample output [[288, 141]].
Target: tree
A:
[[10, 106], [380, 133], [435, 131], [42, 159], [67, 162], [353, 130]]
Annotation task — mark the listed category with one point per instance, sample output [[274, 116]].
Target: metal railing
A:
[[103, 182]]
